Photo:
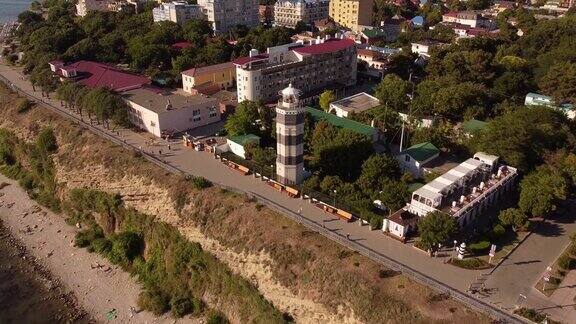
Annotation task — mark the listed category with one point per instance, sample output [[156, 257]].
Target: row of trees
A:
[[100, 103]]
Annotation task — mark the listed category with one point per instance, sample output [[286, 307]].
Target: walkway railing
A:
[[414, 274]]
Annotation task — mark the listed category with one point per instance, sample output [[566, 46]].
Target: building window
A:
[[212, 112]]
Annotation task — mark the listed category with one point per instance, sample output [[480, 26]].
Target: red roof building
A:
[[310, 67], [181, 45], [329, 46], [101, 75]]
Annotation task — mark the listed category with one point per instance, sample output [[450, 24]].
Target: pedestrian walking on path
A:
[[169, 148], [300, 209], [348, 235]]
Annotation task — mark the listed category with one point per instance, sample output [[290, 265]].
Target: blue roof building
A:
[[418, 21]]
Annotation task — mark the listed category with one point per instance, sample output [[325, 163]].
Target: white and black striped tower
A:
[[290, 137]]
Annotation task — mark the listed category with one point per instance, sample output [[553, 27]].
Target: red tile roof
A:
[[248, 59], [210, 68], [329, 46], [181, 45], [96, 75]]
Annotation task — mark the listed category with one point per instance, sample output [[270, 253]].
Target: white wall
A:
[[172, 120], [393, 228], [236, 148], [411, 166], [144, 118]]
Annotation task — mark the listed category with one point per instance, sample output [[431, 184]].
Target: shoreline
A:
[[29, 283], [97, 286]]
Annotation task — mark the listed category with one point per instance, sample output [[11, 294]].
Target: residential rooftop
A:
[[342, 122], [101, 75], [358, 103], [473, 125], [245, 139], [162, 101], [210, 68], [422, 152]]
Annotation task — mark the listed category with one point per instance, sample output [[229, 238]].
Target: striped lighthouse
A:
[[289, 137]]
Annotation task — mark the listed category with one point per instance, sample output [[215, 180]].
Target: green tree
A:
[[243, 121], [377, 170], [560, 82], [339, 151], [393, 91], [326, 98], [393, 194], [515, 218], [436, 228], [541, 190], [522, 137]]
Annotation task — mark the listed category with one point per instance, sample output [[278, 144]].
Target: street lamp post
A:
[[335, 198]]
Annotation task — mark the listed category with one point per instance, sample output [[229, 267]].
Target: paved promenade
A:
[[374, 244]]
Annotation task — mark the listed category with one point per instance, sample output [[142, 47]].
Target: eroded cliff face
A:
[[147, 196], [300, 272]]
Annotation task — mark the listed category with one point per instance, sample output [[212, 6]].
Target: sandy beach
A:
[[98, 286]]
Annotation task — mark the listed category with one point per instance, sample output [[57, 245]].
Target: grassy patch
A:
[[470, 263]]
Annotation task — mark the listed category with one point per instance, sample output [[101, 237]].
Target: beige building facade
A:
[[225, 14], [85, 6], [311, 67], [352, 14], [288, 13]]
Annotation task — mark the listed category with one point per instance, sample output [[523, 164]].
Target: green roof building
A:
[[413, 158], [345, 123], [472, 126], [236, 143]]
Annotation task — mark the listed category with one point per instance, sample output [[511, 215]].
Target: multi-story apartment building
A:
[[288, 13], [225, 14], [464, 193], [221, 76], [352, 14], [84, 6], [309, 67], [468, 18], [178, 11]]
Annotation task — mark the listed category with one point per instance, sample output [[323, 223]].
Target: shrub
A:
[[197, 306], [216, 318], [101, 245], [554, 281], [201, 183], [180, 306], [46, 141], [473, 263], [24, 106], [479, 247], [530, 314], [125, 247], [85, 238], [497, 231], [376, 223], [387, 273], [154, 301], [566, 262]]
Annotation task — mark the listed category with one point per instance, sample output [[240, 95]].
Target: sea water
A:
[[9, 9]]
